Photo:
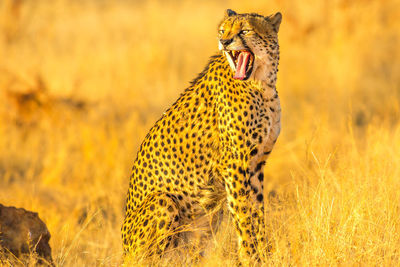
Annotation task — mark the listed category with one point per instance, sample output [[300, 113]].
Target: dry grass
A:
[[333, 177]]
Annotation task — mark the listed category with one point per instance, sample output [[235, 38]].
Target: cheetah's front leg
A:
[[247, 208]]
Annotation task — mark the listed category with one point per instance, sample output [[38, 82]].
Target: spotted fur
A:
[[208, 150]]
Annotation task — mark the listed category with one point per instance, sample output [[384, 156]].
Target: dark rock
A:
[[23, 233]]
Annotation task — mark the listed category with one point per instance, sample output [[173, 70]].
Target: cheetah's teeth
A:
[[234, 56], [231, 61]]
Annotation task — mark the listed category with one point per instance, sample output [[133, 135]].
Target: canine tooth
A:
[[228, 55]]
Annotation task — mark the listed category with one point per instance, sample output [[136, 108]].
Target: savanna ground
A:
[[81, 83]]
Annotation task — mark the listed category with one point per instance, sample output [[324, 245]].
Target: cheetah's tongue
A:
[[241, 65]]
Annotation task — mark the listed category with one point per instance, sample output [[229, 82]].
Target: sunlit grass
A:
[[100, 73]]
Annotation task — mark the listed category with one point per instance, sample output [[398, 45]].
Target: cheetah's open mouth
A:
[[241, 62]]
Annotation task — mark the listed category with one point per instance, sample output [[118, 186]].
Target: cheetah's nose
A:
[[226, 42]]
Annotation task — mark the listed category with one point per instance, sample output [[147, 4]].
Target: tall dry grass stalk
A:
[[332, 179]]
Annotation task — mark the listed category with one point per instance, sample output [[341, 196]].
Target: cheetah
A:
[[209, 149]]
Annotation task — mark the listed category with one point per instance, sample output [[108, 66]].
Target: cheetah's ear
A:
[[275, 20], [229, 13]]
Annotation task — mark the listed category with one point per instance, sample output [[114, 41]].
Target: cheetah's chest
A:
[[271, 119], [252, 121], [267, 116]]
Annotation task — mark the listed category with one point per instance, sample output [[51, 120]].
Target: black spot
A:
[[259, 166], [260, 197], [162, 224], [242, 192]]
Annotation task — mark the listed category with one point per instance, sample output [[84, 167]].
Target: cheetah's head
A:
[[250, 44]]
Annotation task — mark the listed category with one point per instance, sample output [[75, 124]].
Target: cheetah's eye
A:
[[244, 32], [221, 32]]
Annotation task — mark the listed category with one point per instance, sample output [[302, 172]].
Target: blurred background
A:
[[81, 83]]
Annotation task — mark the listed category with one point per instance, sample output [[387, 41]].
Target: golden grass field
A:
[[81, 83]]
